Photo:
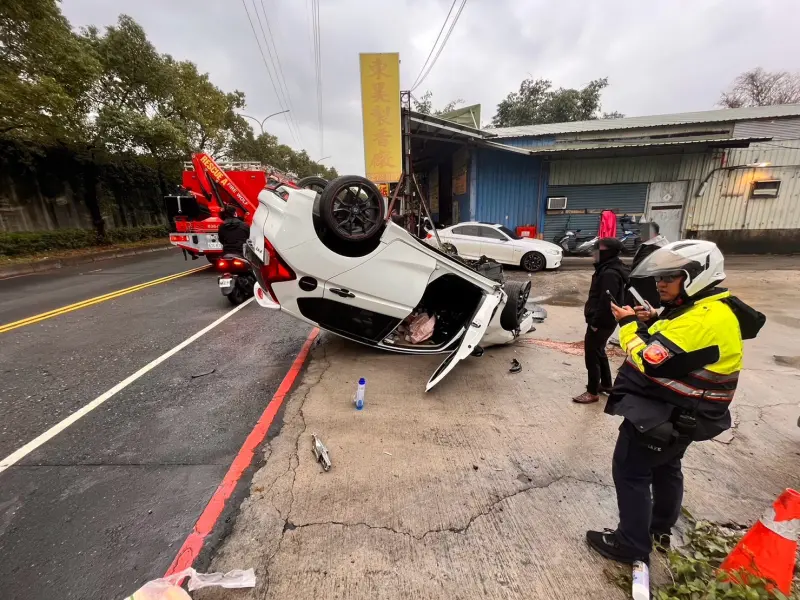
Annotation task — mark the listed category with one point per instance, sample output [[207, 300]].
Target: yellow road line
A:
[[96, 300]]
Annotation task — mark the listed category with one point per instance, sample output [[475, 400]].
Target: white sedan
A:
[[472, 240], [332, 259]]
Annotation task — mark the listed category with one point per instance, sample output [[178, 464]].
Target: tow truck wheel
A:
[[352, 208], [211, 259], [313, 183]]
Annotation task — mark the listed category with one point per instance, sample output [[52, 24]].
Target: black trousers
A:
[[594, 353], [636, 468]]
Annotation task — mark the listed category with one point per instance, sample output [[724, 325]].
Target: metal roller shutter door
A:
[[623, 198]]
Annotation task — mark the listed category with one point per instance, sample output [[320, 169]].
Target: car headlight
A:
[[554, 251]]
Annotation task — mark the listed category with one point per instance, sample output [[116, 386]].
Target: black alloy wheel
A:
[[353, 208], [533, 262]]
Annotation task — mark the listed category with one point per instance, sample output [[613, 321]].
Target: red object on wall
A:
[[608, 225], [527, 231]]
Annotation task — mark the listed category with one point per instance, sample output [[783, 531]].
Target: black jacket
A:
[[611, 275], [233, 234]]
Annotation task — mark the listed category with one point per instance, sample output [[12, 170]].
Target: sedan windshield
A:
[[509, 233]]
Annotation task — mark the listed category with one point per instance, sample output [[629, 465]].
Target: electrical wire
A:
[[315, 25], [282, 101], [264, 59], [436, 41], [279, 71], [441, 47]]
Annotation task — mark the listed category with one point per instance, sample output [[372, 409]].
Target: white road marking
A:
[[42, 439]]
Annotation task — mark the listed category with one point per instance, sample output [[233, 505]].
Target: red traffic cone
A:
[[769, 549]]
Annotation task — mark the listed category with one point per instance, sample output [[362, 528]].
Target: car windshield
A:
[[509, 233]]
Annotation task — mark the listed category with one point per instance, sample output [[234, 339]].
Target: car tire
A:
[[518, 293], [352, 208], [318, 184], [533, 262]]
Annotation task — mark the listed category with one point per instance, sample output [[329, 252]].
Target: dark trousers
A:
[[636, 468], [594, 353]]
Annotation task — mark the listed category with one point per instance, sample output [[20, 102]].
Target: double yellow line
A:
[[96, 300]]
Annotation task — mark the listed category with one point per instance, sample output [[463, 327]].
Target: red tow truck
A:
[[194, 214]]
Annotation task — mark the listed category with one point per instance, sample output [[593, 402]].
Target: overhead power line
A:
[[435, 42], [279, 72], [422, 75], [278, 96], [315, 26]]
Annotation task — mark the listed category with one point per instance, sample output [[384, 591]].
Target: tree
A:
[[536, 102], [425, 105], [45, 73], [266, 150], [758, 87]]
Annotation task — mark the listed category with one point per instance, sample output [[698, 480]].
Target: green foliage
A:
[[537, 102], [695, 575], [266, 149], [425, 105], [31, 243]]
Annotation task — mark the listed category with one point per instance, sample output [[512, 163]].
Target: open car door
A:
[[475, 330]]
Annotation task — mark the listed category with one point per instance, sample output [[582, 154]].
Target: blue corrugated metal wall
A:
[[526, 142], [627, 198], [508, 188]]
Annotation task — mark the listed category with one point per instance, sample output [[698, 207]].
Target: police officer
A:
[[674, 388], [233, 233]]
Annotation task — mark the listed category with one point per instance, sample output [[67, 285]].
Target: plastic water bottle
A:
[[362, 386], [641, 581]]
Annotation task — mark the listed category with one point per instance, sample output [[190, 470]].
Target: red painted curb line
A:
[[205, 523]]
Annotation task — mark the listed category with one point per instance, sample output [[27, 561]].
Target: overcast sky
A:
[[660, 56]]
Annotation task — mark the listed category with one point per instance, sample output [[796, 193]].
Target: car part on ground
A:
[[515, 366], [320, 452]]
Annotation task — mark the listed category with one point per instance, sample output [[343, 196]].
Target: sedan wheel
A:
[[313, 182], [533, 262]]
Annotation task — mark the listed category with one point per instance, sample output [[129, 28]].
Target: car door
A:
[[495, 245], [466, 240], [475, 331]]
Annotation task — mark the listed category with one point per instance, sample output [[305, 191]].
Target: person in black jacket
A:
[[610, 277], [233, 233]]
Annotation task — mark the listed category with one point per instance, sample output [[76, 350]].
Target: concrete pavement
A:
[[105, 505], [484, 487]]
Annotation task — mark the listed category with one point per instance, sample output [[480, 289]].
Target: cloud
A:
[[659, 56]]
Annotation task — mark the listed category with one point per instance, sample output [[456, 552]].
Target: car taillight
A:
[[275, 269]]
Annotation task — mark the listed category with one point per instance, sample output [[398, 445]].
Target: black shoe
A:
[[607, 545], [661, 541]]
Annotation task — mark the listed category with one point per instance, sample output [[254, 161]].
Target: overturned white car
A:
[[333, 260]]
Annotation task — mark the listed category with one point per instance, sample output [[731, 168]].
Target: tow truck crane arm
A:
[[209, 173]]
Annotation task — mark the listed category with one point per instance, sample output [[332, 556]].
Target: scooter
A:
[[631, 240], [237, 279], [575, 245]]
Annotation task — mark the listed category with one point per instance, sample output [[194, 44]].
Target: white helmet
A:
[[701, 261]]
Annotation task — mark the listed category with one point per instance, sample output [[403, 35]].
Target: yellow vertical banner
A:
[[380, 105]]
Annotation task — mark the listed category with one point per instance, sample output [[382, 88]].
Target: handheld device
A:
[[639, 299]]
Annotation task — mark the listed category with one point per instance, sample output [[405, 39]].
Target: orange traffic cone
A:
[[769, 549]]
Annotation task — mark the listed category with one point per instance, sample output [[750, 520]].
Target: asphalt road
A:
[[104, 505]]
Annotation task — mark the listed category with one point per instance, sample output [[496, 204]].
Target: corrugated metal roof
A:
[[653, 144], [706, 116]]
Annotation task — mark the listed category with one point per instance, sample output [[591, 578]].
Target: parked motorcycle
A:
[[574, 244], [631, 239], [237, 279]]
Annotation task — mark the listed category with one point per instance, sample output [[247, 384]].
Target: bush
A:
[[37, 242]]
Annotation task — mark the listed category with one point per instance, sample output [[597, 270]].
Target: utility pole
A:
[[405, 103]]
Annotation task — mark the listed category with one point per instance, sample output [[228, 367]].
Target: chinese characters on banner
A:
[[380, 105]]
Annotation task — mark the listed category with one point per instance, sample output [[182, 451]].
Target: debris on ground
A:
[[204, 374], [574, 348], [515, 366], [321, 453], [168, 588]]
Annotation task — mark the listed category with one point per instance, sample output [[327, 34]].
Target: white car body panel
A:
[[391, 280]]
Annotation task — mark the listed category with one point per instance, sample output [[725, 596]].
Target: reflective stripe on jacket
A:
[[689, 359]]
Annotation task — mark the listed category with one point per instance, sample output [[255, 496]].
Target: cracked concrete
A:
[[485, 486]]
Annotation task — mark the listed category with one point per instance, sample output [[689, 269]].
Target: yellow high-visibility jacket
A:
[[687, 361]]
